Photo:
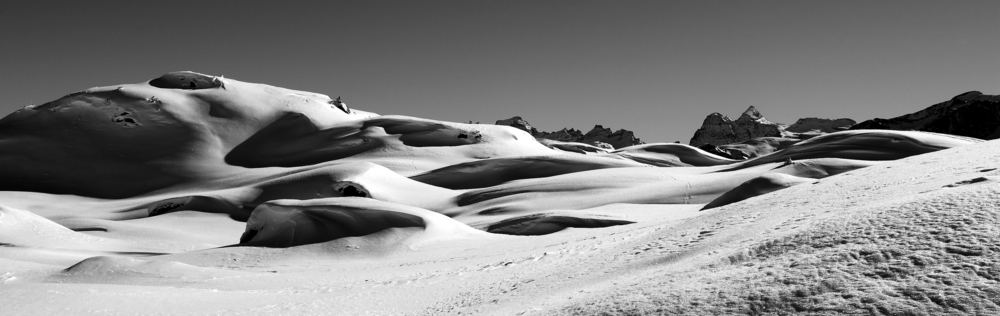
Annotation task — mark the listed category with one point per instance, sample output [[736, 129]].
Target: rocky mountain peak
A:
[[751, 113], [718, 129], [716, 118]]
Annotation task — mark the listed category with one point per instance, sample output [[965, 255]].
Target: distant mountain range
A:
[[598, 136], [971, 114]]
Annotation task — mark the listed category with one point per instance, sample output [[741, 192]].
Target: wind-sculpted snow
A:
[[542, 223], [277, 224], [672, 155], [22, 228], [294, 140], [133, 139], [489, 172], [125, 140], [357, 179], [866, 145], [237, 197], [636, 185], [763, 184], [285, 223]]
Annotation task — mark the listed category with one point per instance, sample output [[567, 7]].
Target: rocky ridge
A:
[[751, 135], [971, 114], [599, 136], [718, 129]]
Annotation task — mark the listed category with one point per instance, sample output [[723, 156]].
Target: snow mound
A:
[[763, 184], [118, 269], [357, 179], [636, 185], [294, 140], [866, 145], [130, 139], [286, 223], [672, 155], [25, 229], [489, 172]]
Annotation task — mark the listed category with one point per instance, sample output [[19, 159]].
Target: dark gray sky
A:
[[656, 67]]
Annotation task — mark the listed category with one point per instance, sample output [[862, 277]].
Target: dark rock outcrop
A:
[[717, 129], [620, 138], [971, 114], [519, 123], [598, 136]]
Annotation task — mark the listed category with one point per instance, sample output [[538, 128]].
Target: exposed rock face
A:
[[618, 139], [812, 124], [717, 129], [519, 123], [564, 135], [599, 136], [972, 114]]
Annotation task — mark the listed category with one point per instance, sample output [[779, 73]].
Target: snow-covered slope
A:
[[235, 197]]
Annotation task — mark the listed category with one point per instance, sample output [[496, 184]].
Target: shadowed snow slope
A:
[[293, 140], [489, 172], [671, 155], [359, 179], [131, 139], [642, 185], [866, 145], [767, 183], [285, 223]]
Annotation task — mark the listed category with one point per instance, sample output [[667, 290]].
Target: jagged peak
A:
[[716, 118], [751, 113]]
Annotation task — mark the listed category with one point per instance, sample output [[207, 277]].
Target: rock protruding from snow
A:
[[620, 138], [718, 129], [751, 135], [972, 114], [519, 123], [599, 136]]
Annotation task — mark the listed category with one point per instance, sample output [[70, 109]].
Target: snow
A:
[[226, 197]]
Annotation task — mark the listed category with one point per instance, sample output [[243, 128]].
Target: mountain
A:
[[751, 135], [718, 129], [599, 135], [972, 114]]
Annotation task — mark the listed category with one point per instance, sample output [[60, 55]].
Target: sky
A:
[[654, 67]]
